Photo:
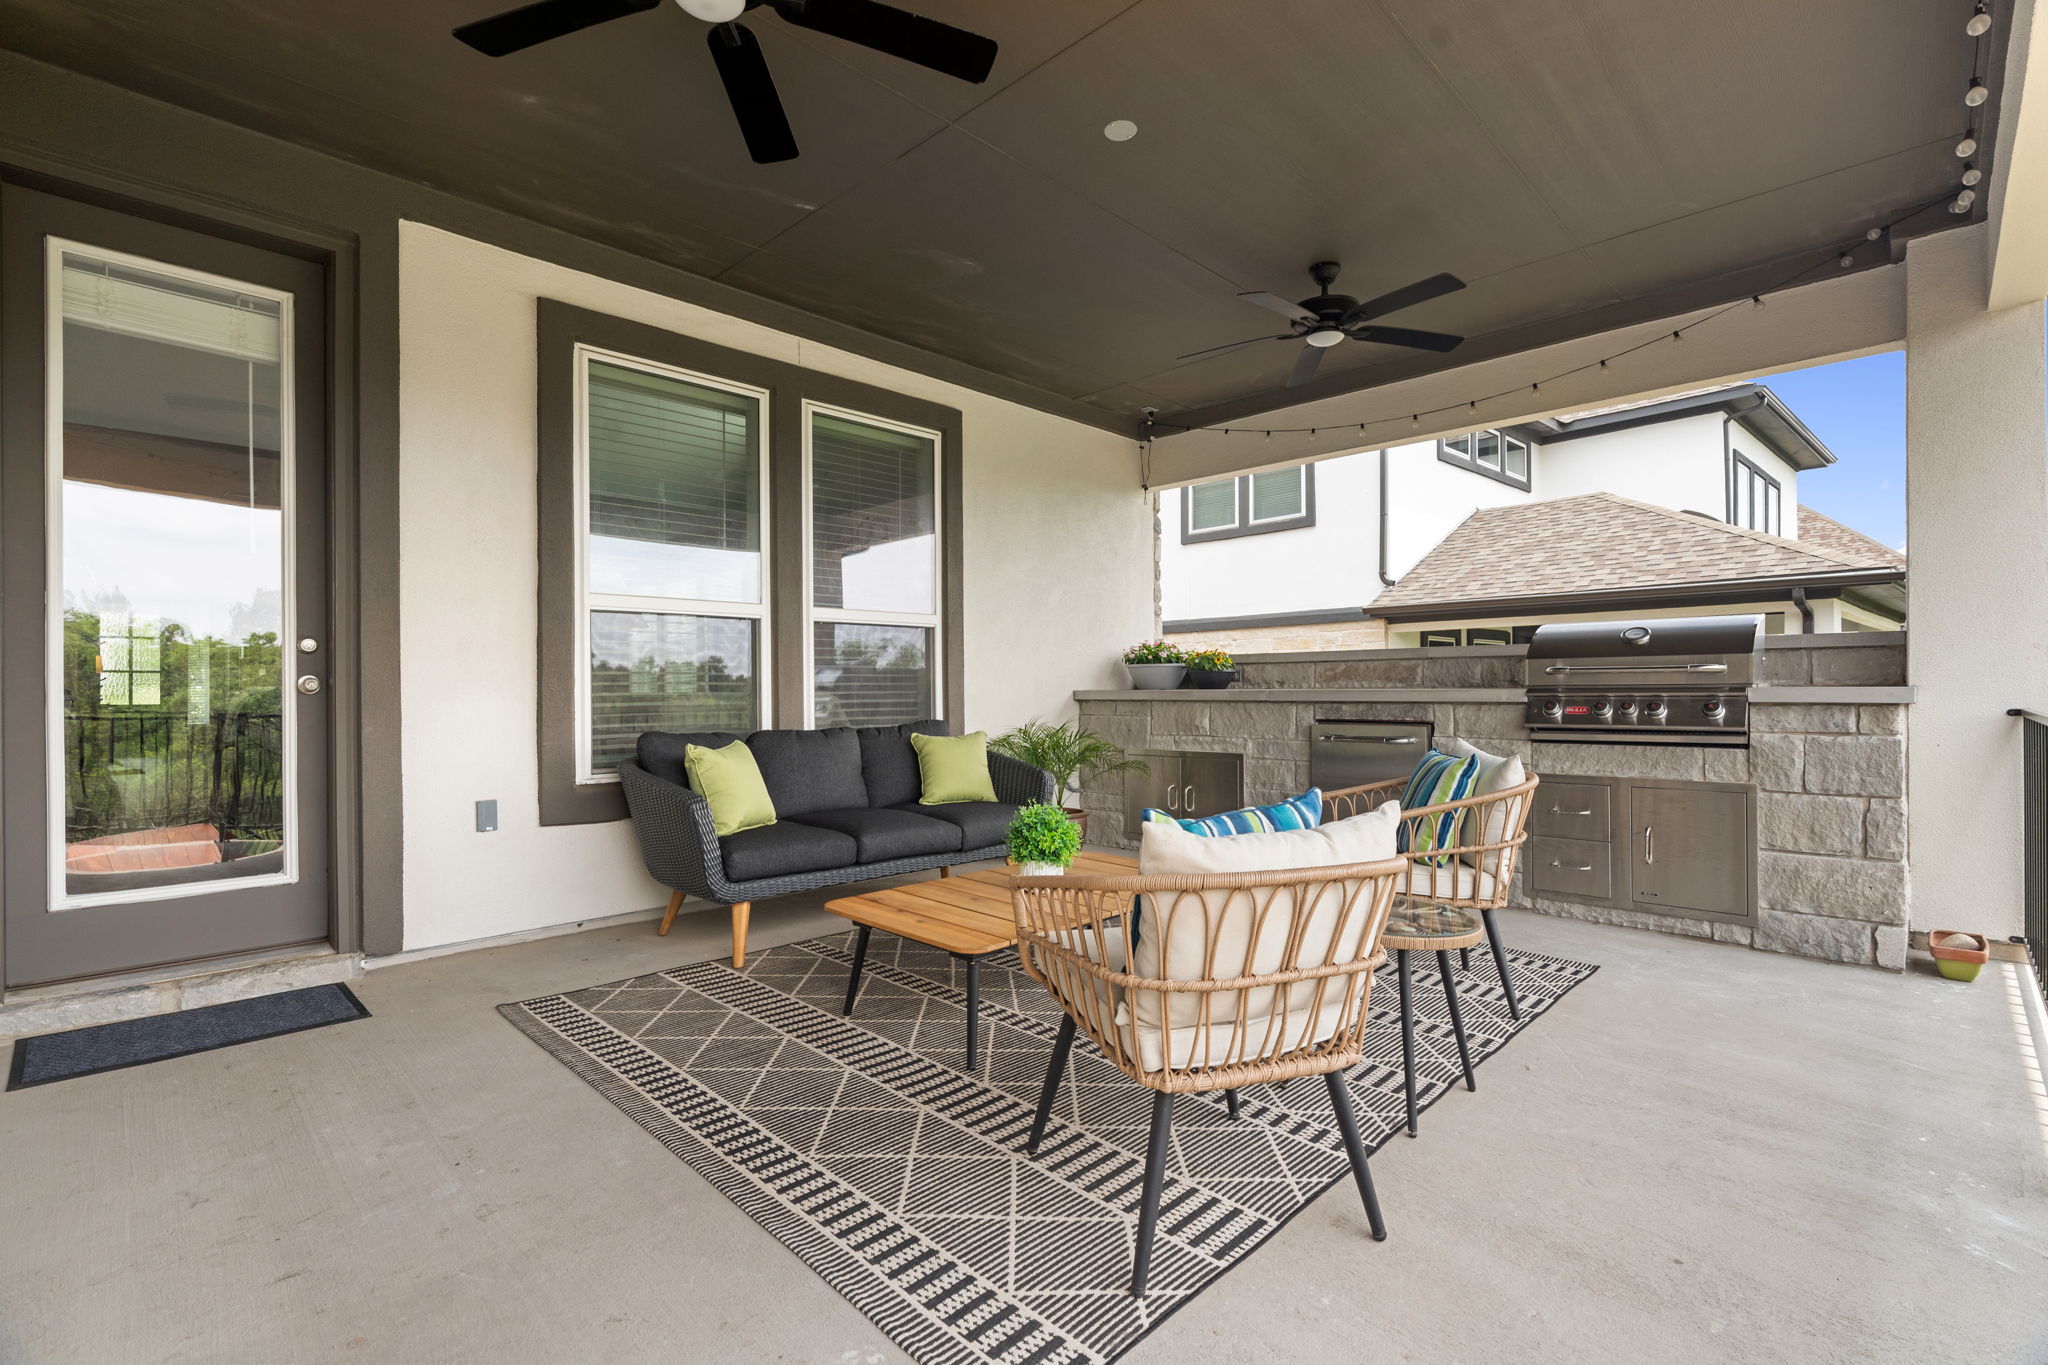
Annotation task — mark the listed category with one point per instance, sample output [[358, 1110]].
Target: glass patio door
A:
[[178, 466]]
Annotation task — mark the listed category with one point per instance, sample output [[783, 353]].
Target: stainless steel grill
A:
[[1685, 680]]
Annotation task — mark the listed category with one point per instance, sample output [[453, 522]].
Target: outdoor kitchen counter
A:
[[1846, 695]]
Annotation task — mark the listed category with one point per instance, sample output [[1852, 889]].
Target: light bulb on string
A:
[[1979, 22]]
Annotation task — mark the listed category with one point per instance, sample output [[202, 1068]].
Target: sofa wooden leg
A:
[[739, 933], [675, 903], [945, 871]]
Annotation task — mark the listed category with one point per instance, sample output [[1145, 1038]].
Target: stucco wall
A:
[[1677, 464], [1058, 577]]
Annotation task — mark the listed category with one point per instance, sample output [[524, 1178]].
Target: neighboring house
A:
[[1507, 570], [1298, 558]]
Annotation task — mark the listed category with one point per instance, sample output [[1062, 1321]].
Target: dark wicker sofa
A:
[[846, 806]]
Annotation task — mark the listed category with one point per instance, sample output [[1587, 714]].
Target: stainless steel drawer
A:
[[1573, 810], [1571, 867]]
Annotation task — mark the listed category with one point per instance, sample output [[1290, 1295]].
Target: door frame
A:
[[349, 675]]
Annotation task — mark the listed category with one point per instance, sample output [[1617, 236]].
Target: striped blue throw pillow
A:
[[1438, 778], [1297, 812]]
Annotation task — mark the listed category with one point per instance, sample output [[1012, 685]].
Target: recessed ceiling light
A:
[[1120, 130], [713, 11]]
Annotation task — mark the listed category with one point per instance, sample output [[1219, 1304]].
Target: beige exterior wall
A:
[[1280, 639], [1058, 577]]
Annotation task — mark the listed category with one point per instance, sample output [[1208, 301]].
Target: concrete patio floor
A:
[[1703, 1154]]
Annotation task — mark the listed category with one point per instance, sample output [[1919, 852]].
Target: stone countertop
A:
[[1760, 696]]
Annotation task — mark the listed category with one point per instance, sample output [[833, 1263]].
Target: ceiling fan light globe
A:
[[1324, 336], [713, 11]]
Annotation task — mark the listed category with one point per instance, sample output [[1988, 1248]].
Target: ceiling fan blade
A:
[[1406, 336], [899, 33], [1422, 291], [1280, 306], [530, 24], [1305, 366], [751, 91], [1234, 346]]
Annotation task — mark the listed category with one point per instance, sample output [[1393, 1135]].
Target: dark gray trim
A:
[[1817, 586], [1735, 461], [1760, 410], [1354, 615], [1245, 526], [560, 327], [1470, 464]]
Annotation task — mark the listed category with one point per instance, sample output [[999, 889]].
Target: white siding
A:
[[1677, 464], [1058, 577]]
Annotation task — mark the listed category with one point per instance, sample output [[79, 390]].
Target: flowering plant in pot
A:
[[1210, 668], [1155, 664], [1042, 840], [1069, 755]]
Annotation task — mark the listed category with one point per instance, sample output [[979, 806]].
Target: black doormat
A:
[[896, 1176], [132, 1042]]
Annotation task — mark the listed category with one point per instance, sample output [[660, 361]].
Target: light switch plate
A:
[[486, 816]]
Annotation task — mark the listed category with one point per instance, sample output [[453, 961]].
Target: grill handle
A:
[[1636, 668]]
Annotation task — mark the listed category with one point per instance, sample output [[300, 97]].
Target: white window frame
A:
[[1243, 523], [588, 601], [1301, 507], [1236, 522], [1469, 459], [61, 897], [813, 613]]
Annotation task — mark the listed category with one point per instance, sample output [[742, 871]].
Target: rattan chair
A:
[[1285, 962], [1479, 874]]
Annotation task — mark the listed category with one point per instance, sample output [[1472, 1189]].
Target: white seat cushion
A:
[[1195, 936], [1456, 881]]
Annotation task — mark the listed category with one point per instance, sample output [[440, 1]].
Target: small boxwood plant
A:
[[1153, 652], [1043, 834], [1209, 661]]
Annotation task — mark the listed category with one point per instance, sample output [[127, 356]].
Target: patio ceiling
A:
[[1581, 163]]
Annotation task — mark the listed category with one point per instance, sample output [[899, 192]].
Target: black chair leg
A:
[[1230, 1101], [860, 959], [1464, 959], [1500, 961], [1407, 1033], [1347, 1124], [973, 1012], [1443, 967], [1155, 1182], [1055, 1069]]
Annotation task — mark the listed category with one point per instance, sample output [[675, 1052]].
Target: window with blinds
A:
[[673, 560], [874, 570], [1273, 500], [1278, 494], [1213, 506]]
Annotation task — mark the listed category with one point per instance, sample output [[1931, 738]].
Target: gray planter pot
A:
[[1156, 677]]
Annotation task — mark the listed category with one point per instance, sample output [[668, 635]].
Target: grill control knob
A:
[[1714, 710], [1655, 710], [1603, 709], [1628, 709], [1553, 708]]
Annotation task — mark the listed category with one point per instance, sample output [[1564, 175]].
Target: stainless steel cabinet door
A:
[[1688, 849]]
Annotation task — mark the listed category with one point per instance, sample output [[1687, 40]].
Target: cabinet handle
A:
[[1649, 844], [1555, 810], [1171, 788], [1582, 867], [1187, 799]]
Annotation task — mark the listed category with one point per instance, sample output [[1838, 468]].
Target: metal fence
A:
[[2034, 808], [144, 770]]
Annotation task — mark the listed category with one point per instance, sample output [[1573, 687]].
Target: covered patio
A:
[[519, 428]]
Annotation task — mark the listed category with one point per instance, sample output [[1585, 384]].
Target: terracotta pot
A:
[[1080, 819]]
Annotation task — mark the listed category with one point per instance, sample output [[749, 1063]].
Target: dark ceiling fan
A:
[[737, 53], [1326, 319]]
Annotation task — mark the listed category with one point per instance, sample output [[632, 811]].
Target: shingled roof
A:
[[1576, 547]]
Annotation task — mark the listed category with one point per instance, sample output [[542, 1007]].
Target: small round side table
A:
[[1424, 929]]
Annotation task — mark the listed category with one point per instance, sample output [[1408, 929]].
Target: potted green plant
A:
[[1069, 754], [1210, 668], [1155, 665], [1042, 840]]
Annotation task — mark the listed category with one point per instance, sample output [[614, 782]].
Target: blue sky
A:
[[1858, 409]]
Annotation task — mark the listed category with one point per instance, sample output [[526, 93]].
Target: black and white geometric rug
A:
[[861, 1145]]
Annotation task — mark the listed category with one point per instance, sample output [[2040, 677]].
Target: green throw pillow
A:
[[730, 780], [953, 768]]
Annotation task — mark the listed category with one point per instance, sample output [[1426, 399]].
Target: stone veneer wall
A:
[[1830, 776]]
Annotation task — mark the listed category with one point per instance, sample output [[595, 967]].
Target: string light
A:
[[1979, 23], [1971, 175], [1976, 94], [1968, 146]]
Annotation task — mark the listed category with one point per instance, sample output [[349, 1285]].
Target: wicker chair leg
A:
[[1443, 968], [1500, 961], [1055, 1068], [675, 903], [1407, 1034], [1155, 1182], [1230, 1102], [740, 911], [1347, 1124]]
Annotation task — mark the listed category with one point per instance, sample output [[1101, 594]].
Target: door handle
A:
[[1649, 844], [309, 684]]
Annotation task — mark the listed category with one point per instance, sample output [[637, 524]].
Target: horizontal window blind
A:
[[657, 671], [874, 517], [871, 675], [1213, 506], [1276, 494]]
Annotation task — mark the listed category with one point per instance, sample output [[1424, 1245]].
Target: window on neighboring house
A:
[[1251, 504], [1755, 499], [1498, 455], [674, 564], [874, 570]]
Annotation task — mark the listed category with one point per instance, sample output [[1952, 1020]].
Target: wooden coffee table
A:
[[968, 916]]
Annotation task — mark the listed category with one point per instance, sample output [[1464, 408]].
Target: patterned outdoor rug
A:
[[862, 1146]]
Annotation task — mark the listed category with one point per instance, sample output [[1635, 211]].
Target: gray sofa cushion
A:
[[982, 823], [661, 753], [807, 770], [889, 763], [884, 834], [783, 848]]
